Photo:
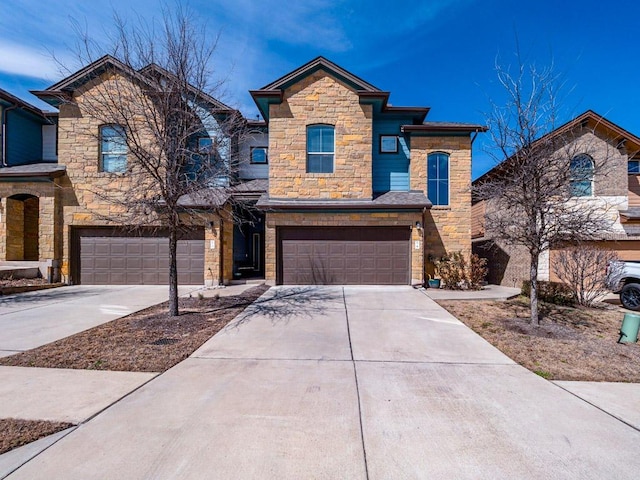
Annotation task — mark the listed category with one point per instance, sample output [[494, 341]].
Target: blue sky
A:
[[437, 53]]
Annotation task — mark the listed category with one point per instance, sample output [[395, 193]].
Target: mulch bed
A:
[[570, 343], [145, 341], [16, 433]]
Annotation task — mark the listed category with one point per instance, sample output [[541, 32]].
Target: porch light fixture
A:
[[419, 225]]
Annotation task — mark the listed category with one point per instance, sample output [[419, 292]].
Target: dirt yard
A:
[[570, 343], [16, 433]]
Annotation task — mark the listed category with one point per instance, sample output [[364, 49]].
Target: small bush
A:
[[477, 272], [551, 292], [457, 274]]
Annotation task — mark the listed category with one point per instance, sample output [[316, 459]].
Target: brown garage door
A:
[[113, 257], [344, 256]]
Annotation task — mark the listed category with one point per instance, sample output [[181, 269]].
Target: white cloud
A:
[[27, 61]]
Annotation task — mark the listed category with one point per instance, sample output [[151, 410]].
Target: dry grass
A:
[[569, 344], [16, 433], [146, 341]]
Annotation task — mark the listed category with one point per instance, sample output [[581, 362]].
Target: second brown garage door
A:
[[114, 257], [344, 256]]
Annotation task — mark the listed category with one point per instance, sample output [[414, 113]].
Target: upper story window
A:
[[438, 178], [388, 144], [320, 148], [205, 145], [259, 155], [633, 166], [582, 176], [113, 148]]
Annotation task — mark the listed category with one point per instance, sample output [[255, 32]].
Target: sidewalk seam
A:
[[599, 408]]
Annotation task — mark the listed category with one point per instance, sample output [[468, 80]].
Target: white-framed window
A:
[[259, 155], [113, 149], [388, 144], [633, 167], [205, 145], [582, 176], [320, 148], [438, 178]]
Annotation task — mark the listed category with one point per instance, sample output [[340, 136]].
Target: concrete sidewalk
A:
[[353, 382]]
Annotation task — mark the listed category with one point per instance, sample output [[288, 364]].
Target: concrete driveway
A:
[[353, 382], [29, 320]]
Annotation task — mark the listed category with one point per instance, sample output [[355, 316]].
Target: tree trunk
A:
[[173, 273], [533, 296]]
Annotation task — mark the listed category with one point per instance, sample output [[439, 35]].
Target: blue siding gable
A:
[[390, 170], [24, 138]]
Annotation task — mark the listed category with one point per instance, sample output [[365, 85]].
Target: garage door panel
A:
[[359, 255], [109, 256]]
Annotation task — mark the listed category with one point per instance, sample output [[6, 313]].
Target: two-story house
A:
[[359, 191], [334, 186], [28, 177], [613, 188]]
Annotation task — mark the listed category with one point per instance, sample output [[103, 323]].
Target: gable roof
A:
[[153, 68], [61, 91], [320, 63], [9, 100], [594, 121], [368, 93]]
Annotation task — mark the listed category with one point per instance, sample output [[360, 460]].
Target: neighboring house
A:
[[28, 177], [335, 186], [615, 189]]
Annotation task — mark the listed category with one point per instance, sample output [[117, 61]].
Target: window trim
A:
[[448, 155], [101, 153], [266, 155], [638, 169], [572, 181], [209, 148], [332, 153], [386, 135]]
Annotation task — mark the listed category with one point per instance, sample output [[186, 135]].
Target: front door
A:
[[248, 244]]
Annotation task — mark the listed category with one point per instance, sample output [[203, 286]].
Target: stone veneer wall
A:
[[85, 186], [447, 228], [320, 99], [49, 219], [373, 219]]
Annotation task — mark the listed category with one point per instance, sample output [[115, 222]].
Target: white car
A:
[[626, 282]]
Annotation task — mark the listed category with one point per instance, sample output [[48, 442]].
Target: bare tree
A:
[[539, 195], [588, 270], [156, 88]]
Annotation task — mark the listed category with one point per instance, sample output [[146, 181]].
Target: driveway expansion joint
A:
[[355, 376]]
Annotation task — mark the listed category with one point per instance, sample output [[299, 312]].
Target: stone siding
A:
[[320, 99], [447, 228]]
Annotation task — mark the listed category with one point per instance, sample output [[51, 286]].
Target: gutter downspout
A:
[[4, 133], [474, 136]]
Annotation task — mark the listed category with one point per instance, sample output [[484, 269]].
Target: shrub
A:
[[551, 292], [587, 270], [457, 274]]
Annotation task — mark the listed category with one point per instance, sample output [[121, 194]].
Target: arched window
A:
[[113, 148], [320, 148], [438, 178], [582, 176]]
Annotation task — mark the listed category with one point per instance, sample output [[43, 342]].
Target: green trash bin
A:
[[629, 328]]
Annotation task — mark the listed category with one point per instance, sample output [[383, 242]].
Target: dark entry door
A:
[[248, 245]]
